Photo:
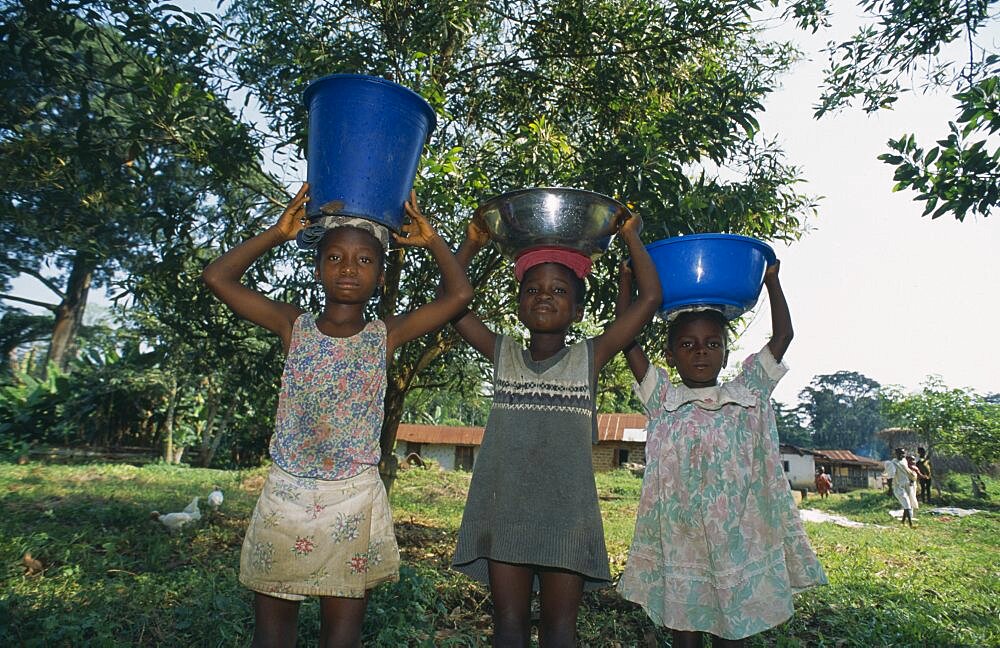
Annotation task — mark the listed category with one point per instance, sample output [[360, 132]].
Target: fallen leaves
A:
[[253, 483], [425, 543], [33, 566]]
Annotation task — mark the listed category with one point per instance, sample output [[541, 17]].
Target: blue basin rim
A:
[[764, 248]]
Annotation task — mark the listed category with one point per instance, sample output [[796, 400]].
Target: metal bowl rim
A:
[[509, 195]]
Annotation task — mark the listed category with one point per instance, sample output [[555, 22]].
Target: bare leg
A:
[[685, 639], [561, 592], [719, 642], [340, 621], [276, 621], [510, 587]]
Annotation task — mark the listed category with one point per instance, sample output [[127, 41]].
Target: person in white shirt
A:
[[899, 472]]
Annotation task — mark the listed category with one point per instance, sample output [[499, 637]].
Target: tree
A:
[[959, 175], [449, 394], [929, 411], [790, 427], [225, 370], [113, 138], [651, 102], [955, 421], [844, 410], [17, 329]]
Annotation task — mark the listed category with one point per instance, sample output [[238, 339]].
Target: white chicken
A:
[[174, 521], [215, 498]]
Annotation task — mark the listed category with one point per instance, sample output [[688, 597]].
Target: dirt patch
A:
[[85, 477], [425, 543], [439, 491], [253, 483]]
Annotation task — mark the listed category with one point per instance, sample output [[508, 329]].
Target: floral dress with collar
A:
[[718, 546]]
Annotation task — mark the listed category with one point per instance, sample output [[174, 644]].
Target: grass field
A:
[[108, 575]]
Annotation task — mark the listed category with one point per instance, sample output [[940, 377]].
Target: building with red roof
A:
[[621, 439], [849, 471]]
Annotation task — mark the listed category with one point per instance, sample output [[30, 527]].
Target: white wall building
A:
[[800, 467]]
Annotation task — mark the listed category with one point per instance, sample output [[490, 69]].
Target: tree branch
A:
[[543, 57], [51, 307], [48, 283]]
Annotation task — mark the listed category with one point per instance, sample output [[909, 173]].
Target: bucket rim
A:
[[423, 103]]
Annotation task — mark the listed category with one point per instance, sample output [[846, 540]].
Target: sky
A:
[[872, 286]]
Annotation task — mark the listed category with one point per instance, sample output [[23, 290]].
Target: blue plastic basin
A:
[[366, 135], [723, 271]]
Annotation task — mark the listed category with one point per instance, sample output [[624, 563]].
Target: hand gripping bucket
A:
[[366, 135]]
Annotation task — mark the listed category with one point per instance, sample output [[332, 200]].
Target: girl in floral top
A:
[[718, 546], [322, 525]]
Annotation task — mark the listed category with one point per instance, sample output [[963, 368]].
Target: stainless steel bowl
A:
[[572, 218]]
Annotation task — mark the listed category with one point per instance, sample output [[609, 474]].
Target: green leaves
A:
[[117, 137], [959, 176], [123, 139], [655, 103]]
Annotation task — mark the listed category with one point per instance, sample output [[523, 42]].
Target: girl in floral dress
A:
[[718, 546], [322, 525]]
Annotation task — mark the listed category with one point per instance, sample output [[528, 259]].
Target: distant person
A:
[[911, 463], [322, 525], [824, 483], [901, 476], [719, 547], [925, 475]]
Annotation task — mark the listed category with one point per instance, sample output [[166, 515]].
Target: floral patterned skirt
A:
[[311, 537]]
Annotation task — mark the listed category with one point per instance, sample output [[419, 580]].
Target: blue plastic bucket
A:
[[723, 271], [366, 135]]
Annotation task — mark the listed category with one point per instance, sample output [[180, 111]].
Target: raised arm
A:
[[456, 292], [468, 325], [636, 357], [223, 276], [781, 320], [622, 331]]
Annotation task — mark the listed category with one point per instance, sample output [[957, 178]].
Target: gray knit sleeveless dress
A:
[[532, 500]]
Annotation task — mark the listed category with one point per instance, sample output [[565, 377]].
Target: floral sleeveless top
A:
[[331, 404]]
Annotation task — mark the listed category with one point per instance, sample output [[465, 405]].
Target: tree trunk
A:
[[978, 486], [398, 383], [212, 437], [207, 428], [217, 440], [388, 463], [69, 313], [168, 425]]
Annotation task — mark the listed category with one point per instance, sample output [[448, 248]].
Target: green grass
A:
[[112, 576]]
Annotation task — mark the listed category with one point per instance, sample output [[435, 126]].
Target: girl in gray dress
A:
[[531, 521]]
